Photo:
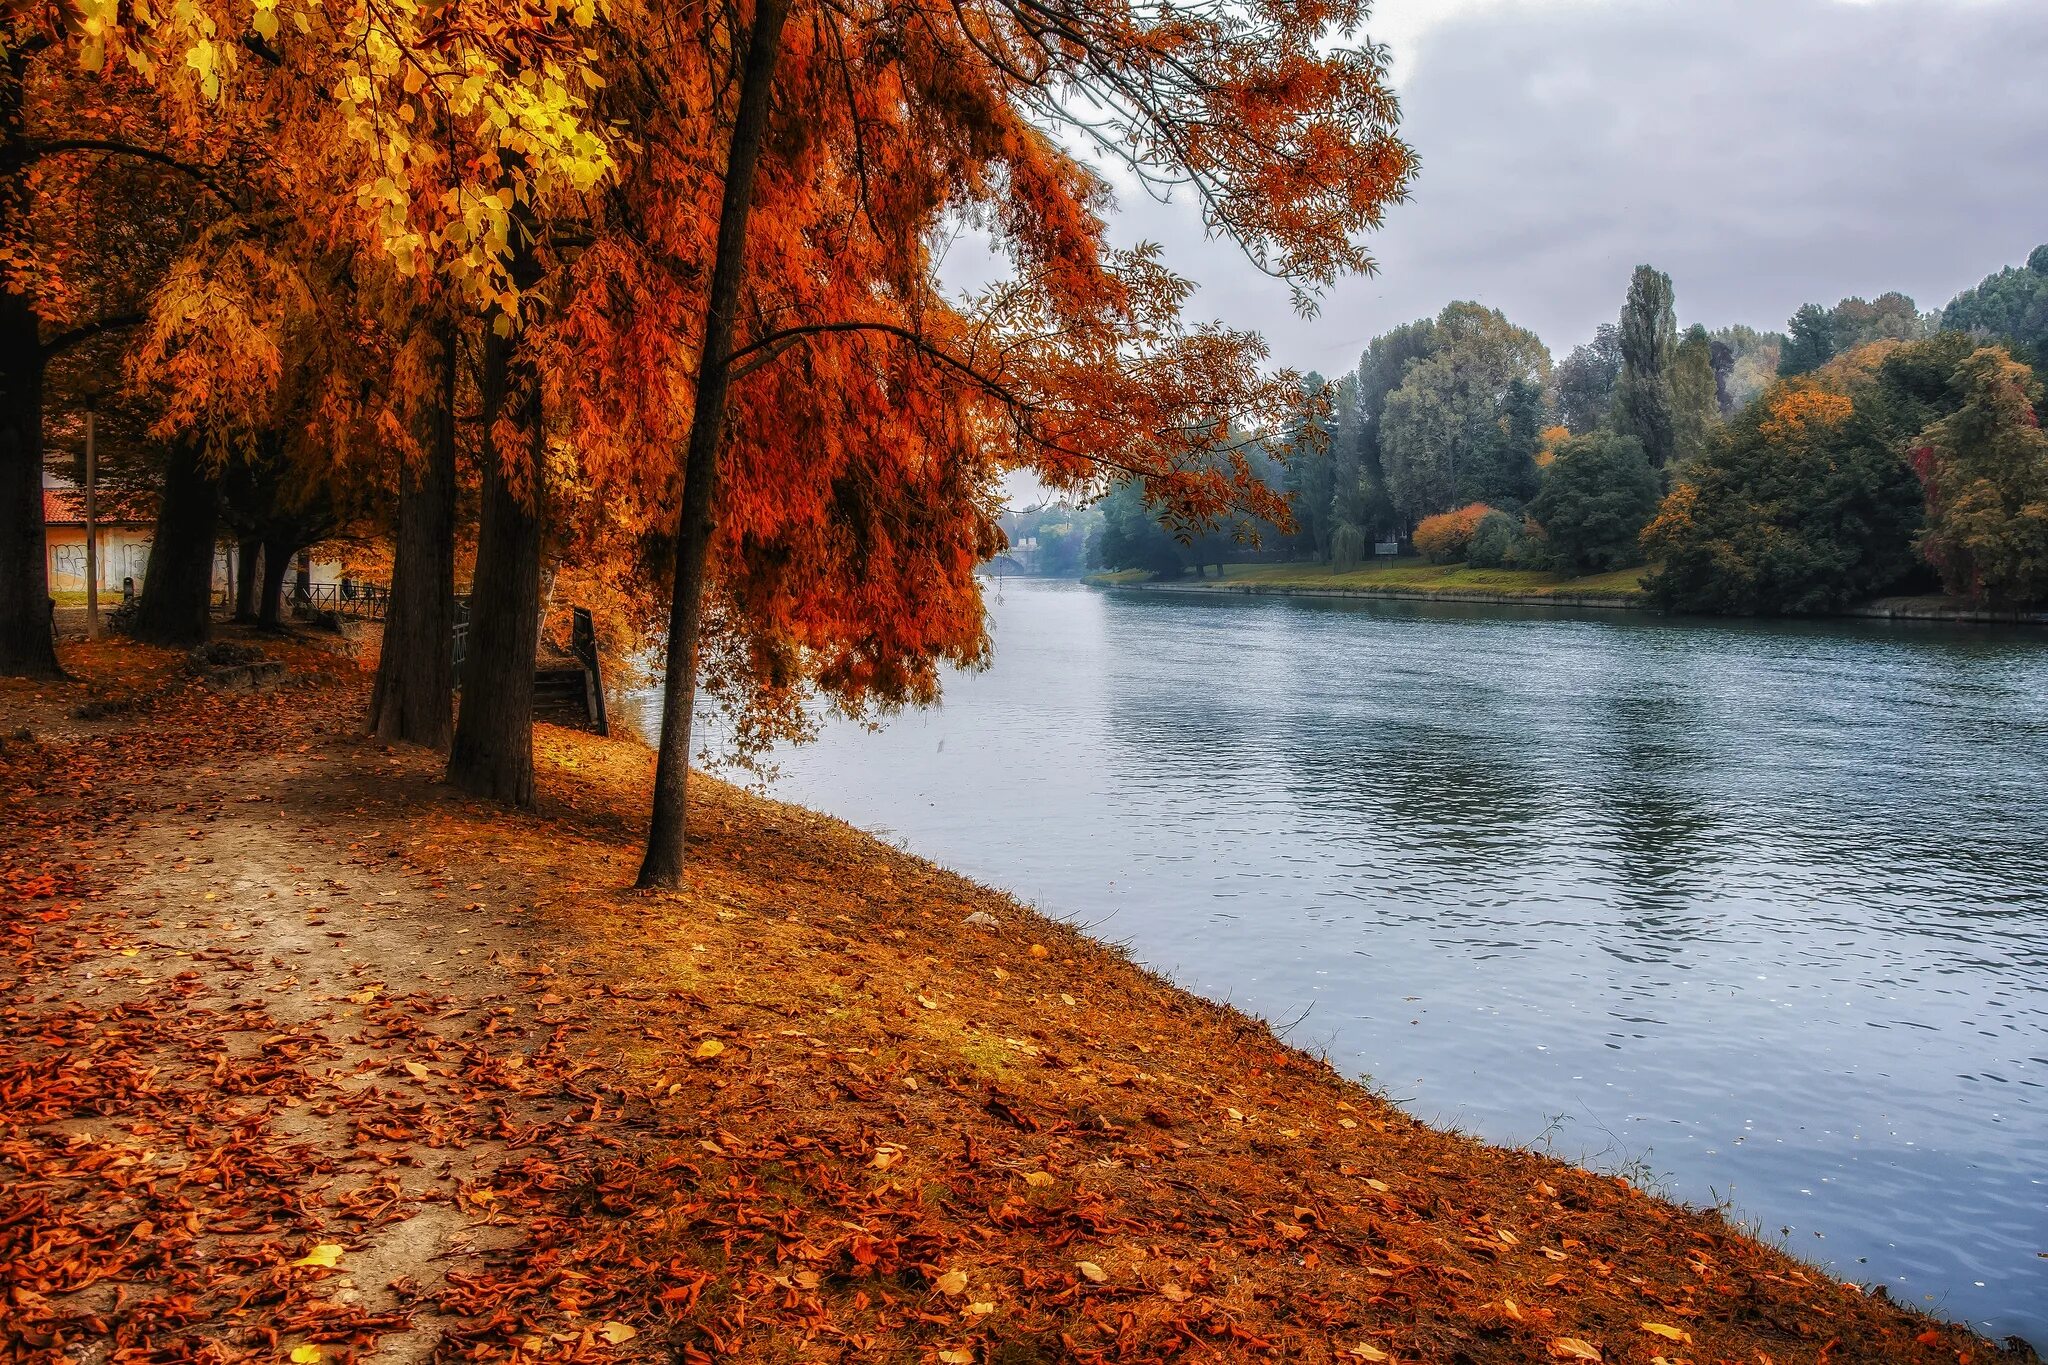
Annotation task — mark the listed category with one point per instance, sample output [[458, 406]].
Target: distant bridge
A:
[[1002, 564]]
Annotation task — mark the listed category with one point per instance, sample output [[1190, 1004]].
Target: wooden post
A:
[[92, 534]]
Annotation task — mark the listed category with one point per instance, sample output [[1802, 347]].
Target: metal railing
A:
[[348, 598]]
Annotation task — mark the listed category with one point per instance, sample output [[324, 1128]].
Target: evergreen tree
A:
[[2010, 306], [1643, 401], [1597, 494]]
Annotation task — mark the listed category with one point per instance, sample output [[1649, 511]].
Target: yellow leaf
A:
[[1037, 1180], [1669, 1333], [981, 1310], [306, 1355], [618, 1333], [324, 1256], [1040, 950], [927, 1002], [1571, 1348], [952, 1283], [708, 1049], [1174, 1293], [1511, 1308], [417, 1071], [1379, 1185], [960, 1355], [806, 1279], [1091, 1271], [1505, 1236], [1365, 1350]]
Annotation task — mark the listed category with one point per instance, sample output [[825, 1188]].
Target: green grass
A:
[[1111, 579], [1413, 575]]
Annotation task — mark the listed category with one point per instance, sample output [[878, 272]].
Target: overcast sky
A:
[[1764, 152]]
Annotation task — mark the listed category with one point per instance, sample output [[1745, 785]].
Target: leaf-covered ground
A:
[[304, 1058]]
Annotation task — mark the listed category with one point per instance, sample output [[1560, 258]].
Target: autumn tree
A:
[[1985, 471], [1645, 406], [1077, 364]]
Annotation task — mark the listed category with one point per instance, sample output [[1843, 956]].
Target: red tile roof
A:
[[66, 507], [63, 507]]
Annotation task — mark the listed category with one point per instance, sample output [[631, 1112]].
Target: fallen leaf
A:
[[1511, 1308], [418, 1072], [806, 1279], [307, 1355], [1037, 1180], [952, 1283], [708, 1049], [1365, 1350], [927, 1002], [981, 1310], [324, 1256], [617, 1333], [1174, 1293], [1668, 1332], [1379, 1185], [1571, 1348], [957, 1356], [1091, 1271], [1040, 950]]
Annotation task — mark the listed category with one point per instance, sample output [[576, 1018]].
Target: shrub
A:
[[1495, 542], [1444, 538]]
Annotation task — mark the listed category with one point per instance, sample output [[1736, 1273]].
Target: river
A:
[[1755, 912]]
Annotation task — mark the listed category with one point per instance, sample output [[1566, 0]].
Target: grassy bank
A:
[[305, 1057], [1403, 577]]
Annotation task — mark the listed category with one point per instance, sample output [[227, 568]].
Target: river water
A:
[[1756, 911]]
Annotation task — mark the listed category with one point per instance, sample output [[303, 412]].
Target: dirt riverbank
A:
[[304, 1057]]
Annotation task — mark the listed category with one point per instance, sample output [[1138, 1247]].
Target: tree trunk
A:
[[27, 647], [667, 829], [177, 588], [414, 694], [492, 754], [248, 551], [277, 557]]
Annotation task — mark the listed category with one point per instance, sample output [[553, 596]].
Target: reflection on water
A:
[[1761, 907]]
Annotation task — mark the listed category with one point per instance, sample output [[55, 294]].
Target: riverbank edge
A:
[[1242, 1126], [1883, 609]]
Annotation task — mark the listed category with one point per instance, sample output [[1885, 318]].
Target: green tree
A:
[[1131, 535], [1585, 380], [1311, 469], [2010, 306], [1596, 496], [1695, 395], [1440, 436], [1985, 470], [1755, 363], [1644, 406], [1818, 335]]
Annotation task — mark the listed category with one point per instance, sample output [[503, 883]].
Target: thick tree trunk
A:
[[248, 552], [177, 589], [492, 753], [667, 829], [413, 700], [277, 558], [27, 648]]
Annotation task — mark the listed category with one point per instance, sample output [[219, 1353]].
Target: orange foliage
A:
[[1445, 536], [1798, 408]]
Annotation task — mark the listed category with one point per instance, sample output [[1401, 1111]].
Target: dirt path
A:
[[274, 999]]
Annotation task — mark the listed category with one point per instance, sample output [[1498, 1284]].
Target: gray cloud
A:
[[1764, 152]]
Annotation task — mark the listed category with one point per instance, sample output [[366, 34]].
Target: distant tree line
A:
[[1870, 447]]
